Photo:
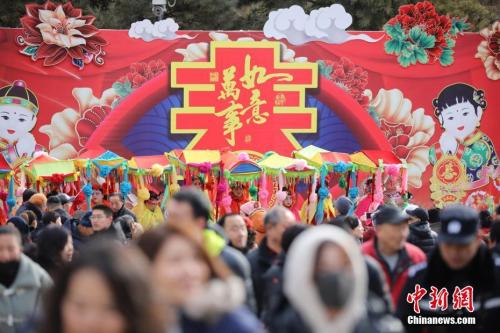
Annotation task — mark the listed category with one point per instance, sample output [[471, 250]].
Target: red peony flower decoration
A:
[[139, 73], [348, 76], [398, 136], [419, 34], [424, 16], [54, 31], [142, 72]]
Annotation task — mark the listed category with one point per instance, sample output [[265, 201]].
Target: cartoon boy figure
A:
[[464, 158], [18, 116]]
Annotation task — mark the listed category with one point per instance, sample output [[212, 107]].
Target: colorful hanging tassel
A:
[[322, 195], [263, 192]]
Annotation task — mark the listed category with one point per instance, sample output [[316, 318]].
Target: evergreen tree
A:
[[250, 14]]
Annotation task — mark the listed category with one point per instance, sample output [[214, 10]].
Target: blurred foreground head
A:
[[189, 206], [106, 289], [180, 264], [186, 277], [325, 279], [459, 238]]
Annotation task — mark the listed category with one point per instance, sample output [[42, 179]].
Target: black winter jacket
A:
[[422, 236], [261, 259]]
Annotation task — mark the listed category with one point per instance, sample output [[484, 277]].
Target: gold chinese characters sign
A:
[[244, 98]]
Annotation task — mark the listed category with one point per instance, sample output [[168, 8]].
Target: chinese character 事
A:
[[244, 91], [253, 75], [462, 298]]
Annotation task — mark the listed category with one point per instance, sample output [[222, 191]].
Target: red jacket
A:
[[396, 280]]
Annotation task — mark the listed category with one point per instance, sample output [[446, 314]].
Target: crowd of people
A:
[[117, 269]]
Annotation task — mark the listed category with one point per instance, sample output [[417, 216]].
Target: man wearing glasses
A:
[[103, 226]]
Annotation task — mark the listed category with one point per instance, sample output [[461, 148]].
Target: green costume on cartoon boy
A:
[[459, 109], [18, 116]]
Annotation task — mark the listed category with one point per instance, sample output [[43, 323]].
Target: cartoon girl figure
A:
[[464, 158], [18, 116]]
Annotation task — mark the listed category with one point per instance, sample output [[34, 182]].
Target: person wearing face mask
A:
[[378, 289], [22, 282], [326, 282]]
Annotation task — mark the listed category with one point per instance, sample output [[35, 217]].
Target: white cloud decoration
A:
[[164, 29], [326, 24]]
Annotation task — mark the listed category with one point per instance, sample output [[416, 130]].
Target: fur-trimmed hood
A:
[[302, 292]]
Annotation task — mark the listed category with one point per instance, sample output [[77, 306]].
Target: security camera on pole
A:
[[159, 8]]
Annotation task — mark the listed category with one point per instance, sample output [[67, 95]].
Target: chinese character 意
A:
[[229, 85], [439, 299], [463, 298], [415, 297], [255, 103], [257, 74], [232, 121]]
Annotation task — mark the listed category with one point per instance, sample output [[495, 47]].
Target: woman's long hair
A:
[[126, 273], [50, 244]]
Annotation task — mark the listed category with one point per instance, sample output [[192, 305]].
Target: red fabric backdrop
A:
[[420, 84]]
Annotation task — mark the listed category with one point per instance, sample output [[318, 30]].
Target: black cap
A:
[[388, 214], [20, 224], [53, 200], [85, 220], [419, 213], [27, 194], [65, 198], [459, 225]]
